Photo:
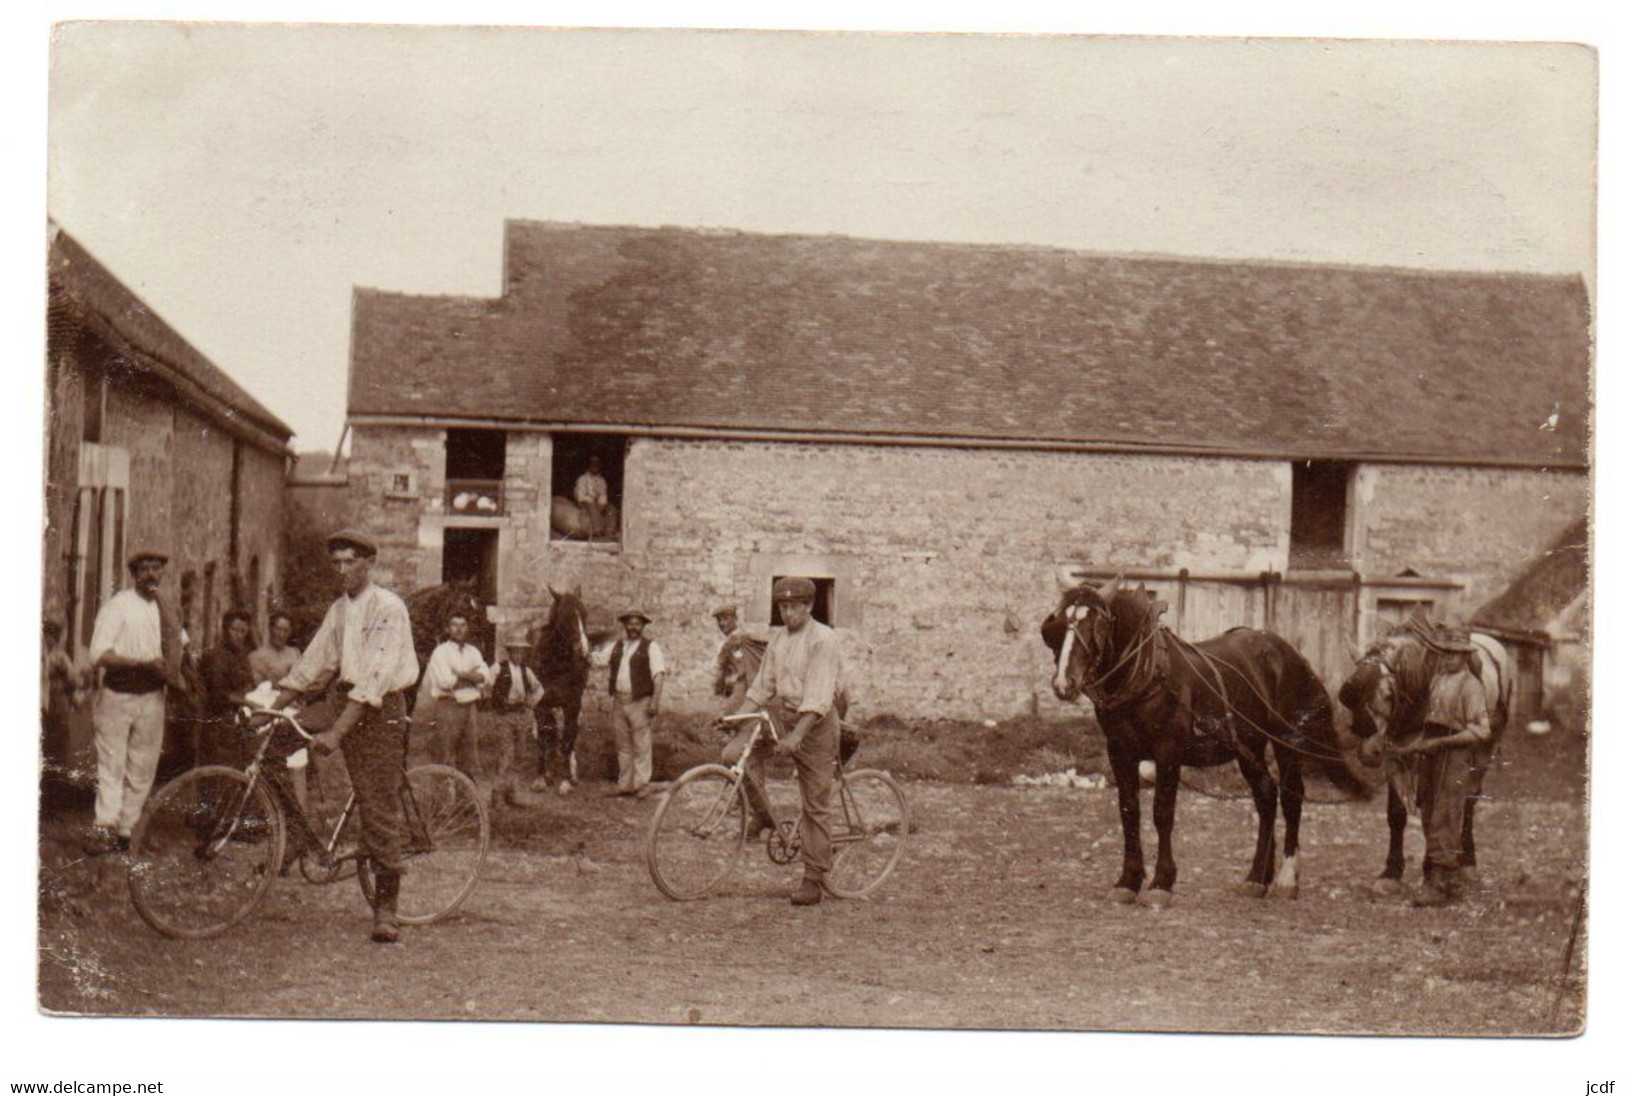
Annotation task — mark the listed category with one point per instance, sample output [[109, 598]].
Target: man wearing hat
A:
[[800, 676], [364, 649], [515, 692], [1457, 723], [135, 645], [637, 673]]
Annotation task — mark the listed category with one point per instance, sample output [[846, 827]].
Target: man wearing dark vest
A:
[[637, 673]]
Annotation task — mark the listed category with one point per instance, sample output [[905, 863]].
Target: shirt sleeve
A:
[[823, 669], [109, 624], [315, 668], [657, 659], [583, 492], [441, 678], [1475, 714], [388, 662], [766, 685]]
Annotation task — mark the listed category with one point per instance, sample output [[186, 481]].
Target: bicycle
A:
[[210, 841], [698, 828]]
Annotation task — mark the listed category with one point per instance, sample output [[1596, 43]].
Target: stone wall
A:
[[1478, 525], [943, 560]]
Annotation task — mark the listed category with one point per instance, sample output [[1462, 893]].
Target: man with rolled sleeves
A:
[[132, 647], [364, 649], [637, 674], [800, 676]]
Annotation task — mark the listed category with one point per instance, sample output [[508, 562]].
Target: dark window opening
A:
[[823, 600], [1320, 493], [573, 455], [476, 461], [95, 401], [470, 555]]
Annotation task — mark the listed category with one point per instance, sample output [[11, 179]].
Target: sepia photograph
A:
[[754, 529]]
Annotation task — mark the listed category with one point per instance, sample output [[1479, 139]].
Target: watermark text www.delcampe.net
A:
[[91, 1088]]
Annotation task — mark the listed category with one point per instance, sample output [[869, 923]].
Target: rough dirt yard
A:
[[997, 917]]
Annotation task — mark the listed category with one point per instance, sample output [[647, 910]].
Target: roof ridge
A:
[[1019, 247]]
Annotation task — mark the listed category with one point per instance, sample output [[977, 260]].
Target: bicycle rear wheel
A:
[[208, 844], [697, 833], [868, 832], [448, 831]]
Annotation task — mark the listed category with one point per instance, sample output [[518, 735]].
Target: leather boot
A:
[[810, 893], [386, 928]]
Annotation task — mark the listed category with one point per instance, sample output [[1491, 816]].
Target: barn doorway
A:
[[470, 555]]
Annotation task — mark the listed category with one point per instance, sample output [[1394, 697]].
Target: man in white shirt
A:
[[637, 674], [127, 647], [364, 649], [456, 677], [592, 495]]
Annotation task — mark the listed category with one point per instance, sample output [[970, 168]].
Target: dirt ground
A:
[[997, 917]]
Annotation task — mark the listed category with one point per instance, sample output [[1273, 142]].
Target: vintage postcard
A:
[[818, 530]]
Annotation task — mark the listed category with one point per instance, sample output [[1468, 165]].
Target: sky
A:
[[244, 179]]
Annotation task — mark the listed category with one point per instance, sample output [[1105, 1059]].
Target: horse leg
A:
[[1394, 870], [1265, 798], [567, 747], [1291, 765], [1126, 771], [1162, 815]]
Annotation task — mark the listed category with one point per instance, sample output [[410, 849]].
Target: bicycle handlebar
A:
[[277, 715]]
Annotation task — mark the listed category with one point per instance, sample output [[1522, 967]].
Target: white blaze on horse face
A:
[[581, 639], [1064, 659]]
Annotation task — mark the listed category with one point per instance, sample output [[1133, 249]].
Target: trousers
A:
[[457, 736], [375, 754], [129, 738], [516, 738], [634, 742], [1444, 780], [815, 773]]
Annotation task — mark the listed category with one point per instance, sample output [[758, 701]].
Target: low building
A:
[[150, 445], [930, 431]]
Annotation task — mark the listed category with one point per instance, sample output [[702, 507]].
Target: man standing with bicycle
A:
[[364, 648], [800, 675]]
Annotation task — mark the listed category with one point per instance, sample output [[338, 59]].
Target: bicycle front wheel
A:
[[208, 844], [868, 832], [697, 833], [448, 831]]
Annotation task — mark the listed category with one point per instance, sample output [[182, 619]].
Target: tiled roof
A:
[[1545, 588], [728, 331], [107, 301]]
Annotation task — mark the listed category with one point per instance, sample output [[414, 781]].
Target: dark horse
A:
[[1162, 699], [561, 659], [1388, 694]]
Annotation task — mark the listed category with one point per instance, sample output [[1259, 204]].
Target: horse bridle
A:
[[1093, 686]]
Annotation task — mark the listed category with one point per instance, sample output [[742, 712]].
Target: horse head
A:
[[1084, 631], [1383, 693], [566, 627]]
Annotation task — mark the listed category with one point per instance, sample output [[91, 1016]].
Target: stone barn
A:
[[150, 444], [935, 432]]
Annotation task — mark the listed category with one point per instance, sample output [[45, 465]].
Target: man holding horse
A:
[[800, 675], [1456, 727]]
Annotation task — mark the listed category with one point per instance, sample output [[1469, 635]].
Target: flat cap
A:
[[725, 610], [794, 589], [146, 554], [632, 614], [351, 538]]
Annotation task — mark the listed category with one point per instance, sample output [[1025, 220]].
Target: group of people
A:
[[353, 681]]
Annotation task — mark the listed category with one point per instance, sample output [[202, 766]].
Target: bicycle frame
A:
[[253, 770], [856, 830]]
